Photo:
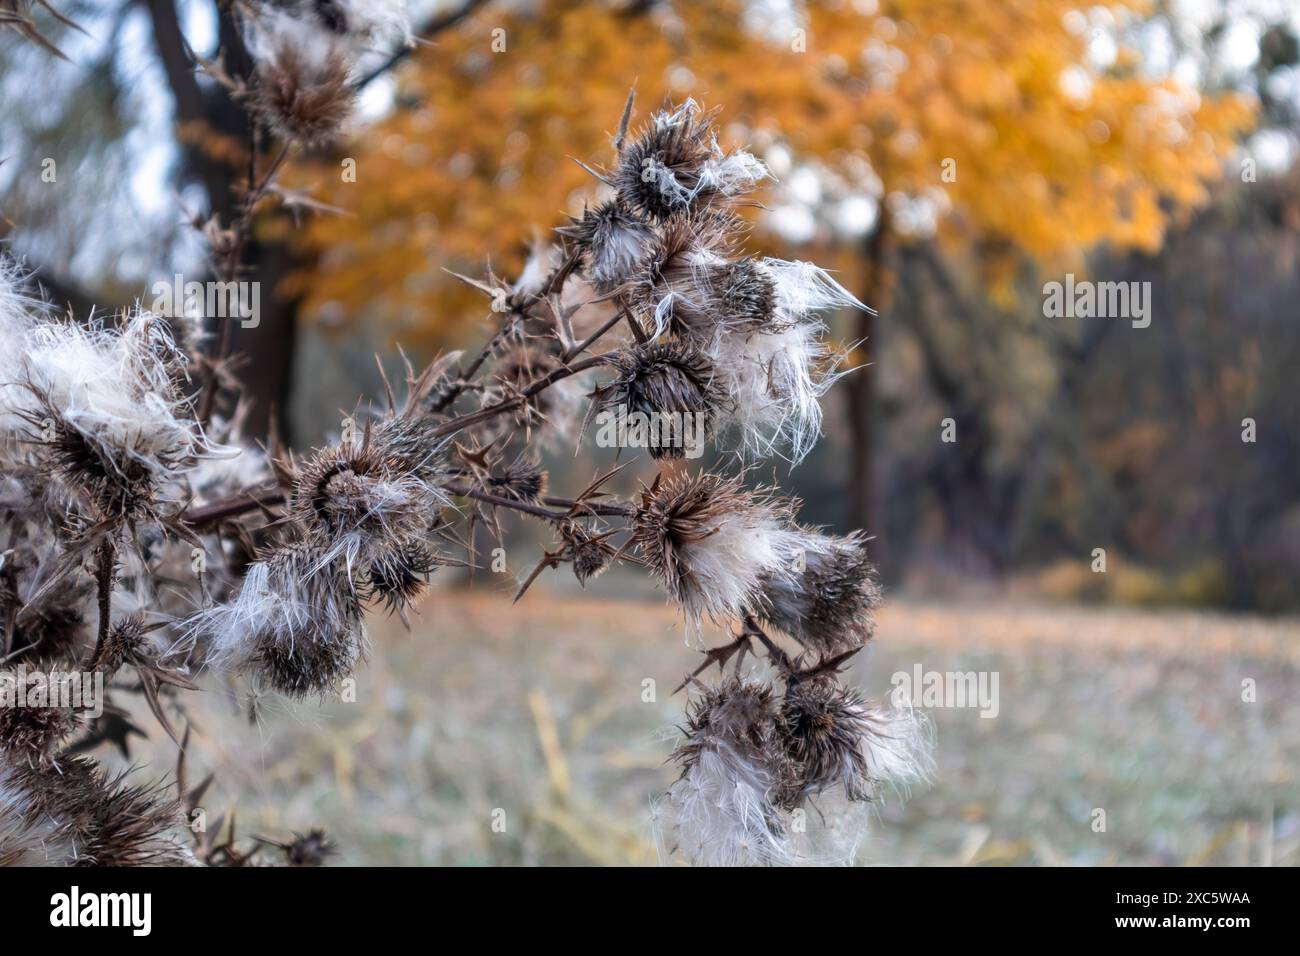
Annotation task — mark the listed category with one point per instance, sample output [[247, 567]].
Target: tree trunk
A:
[[266, 351], [863, 495]]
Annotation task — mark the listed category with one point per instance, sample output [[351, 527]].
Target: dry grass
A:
[[536, 710]]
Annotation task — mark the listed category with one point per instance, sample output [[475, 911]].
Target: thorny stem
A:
[[242, 229], [435, 26], [591, 339], [453, 425], [634, 324], [465, 376], [207, 515], [572, 506], [104, 593], [248, 500], [604, 509], [554, 282], [780, 657]]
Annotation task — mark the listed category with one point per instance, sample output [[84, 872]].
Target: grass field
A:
[[534, 716]]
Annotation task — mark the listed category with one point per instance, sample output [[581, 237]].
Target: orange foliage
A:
[[476, 159]]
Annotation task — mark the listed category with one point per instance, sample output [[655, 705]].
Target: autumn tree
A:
[[1026, 129]]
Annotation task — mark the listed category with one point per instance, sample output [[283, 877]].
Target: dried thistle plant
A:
[[122, 460], [18, 15]]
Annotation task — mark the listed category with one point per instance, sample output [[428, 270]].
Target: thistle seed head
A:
[[613, 241], [105, 407], [309, 849], [302, 85], [295, 622], [31, 733], [827, 606], [833, 735], [521, 480], [675, 162], [314, 663], [744, 295], [673, 284], [361, 502], [399, 576], [665, 380], [411, 446], [719, 812], [591, 553], [712, 542], [76, 815], [53, 628], [775, 380]]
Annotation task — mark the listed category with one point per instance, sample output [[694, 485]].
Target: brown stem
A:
[[453, 425], [435, 26], [634, 324], [571, 505], [104, 593], [207, 515], [591, 339], [255, 190], [466, 375], [780, 657], [605, 509], [554, 282]]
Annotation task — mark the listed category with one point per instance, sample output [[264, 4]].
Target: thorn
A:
[[627, 118], [603, 179]]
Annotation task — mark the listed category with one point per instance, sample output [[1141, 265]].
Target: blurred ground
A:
[[536, 709]]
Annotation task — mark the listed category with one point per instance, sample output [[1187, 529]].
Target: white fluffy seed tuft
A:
[[717, 813]]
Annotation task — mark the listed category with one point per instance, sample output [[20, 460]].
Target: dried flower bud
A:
[[53, 627], [675, 161], [411, 446], [673, 285], [713, 542], [665, 381], [30, 732], [718, 811], [360, 503], [744, 294], [775, 369], [295, 623], [613, 241], [74, 815], [310, 849], [521, 480], [302, 85], [399, 575], [834, 736], [591, 553], [105, 406], [826, 603], [127, 642], [319, 657]]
